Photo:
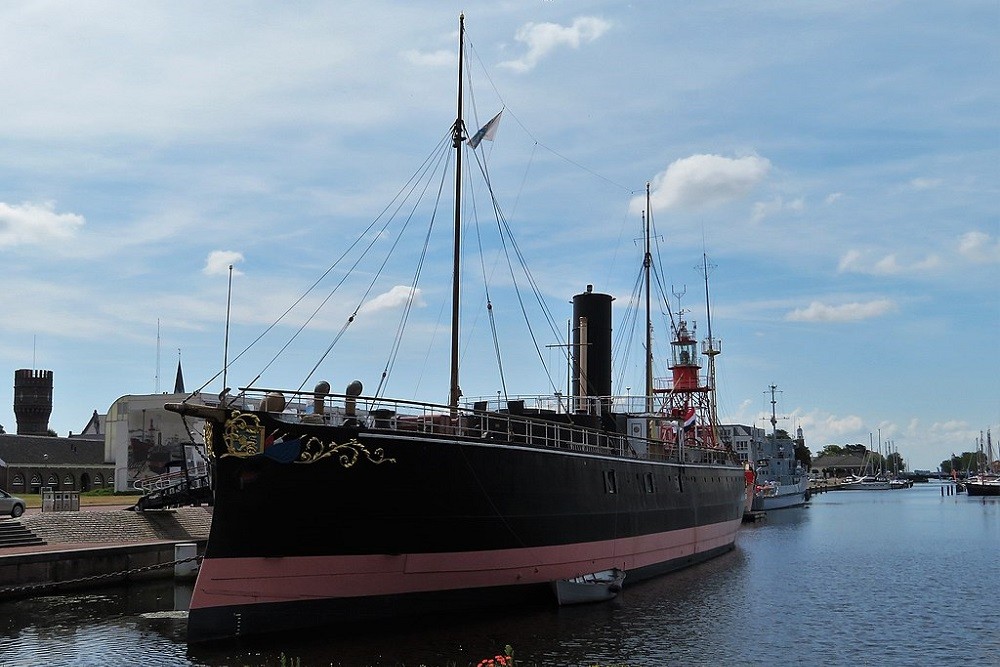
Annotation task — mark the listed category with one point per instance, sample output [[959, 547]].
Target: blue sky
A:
[[838, 162]]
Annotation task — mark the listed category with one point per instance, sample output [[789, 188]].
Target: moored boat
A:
[[593, 587], [987, 482], [348, 508], [780, 479], [983, 485], [866, 483]]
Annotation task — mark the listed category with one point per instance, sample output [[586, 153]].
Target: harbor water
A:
[[905, 577]]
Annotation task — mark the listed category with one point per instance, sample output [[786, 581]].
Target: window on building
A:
[[53, 481], [69, 482], [17, 484]]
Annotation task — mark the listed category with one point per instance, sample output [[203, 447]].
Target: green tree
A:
[[803, 456], [832, 450], [895, 462]]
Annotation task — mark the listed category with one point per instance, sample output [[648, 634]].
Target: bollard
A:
[[189, 568]]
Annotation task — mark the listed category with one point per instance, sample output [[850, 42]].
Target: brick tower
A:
[[32, 401]]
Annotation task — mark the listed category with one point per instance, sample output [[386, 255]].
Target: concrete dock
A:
[[98, 547]]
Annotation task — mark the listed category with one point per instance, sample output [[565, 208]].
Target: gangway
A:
[[190, 486]]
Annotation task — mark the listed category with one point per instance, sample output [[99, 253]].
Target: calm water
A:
[[856, 578]]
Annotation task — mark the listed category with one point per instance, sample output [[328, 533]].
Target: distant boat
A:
[[594, 587], [872, 479], [867, 483], [985, 483], [781, 481]]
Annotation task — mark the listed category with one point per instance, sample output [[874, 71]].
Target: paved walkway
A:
[[113, 526]]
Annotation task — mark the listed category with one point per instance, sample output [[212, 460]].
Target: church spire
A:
[[179, 382]]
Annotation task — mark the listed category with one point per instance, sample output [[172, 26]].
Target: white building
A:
[[143, 439], [746, 441]]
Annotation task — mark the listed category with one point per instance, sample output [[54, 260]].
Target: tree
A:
[[803, 456], [961, 464], [832, 450]]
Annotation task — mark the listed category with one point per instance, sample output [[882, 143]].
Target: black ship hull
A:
[[360, 524]]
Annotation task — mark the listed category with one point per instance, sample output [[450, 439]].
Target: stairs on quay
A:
[[16, 534]]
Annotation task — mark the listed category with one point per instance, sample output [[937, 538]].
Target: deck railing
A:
[[534, 421]]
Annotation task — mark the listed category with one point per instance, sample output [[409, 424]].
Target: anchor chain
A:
[[13, 591]]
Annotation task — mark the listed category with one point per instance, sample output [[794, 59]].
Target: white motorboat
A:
[[594, 587]]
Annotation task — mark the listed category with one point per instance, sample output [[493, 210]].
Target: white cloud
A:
[[440, 58], [857, 261], [979, 247], [395, 297], [36, 224], [925, 183], [219, 261], [847, 312], [833, 196], [763, 210], [704, 180], [543, 38]]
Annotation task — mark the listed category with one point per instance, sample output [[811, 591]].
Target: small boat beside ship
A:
[[403, 507], [594, 587]]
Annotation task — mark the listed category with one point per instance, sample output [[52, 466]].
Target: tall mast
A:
[[647, 261], [710, 348], [457, 136], [774, 418]]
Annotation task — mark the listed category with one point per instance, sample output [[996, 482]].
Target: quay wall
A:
[[25, 575], [99, 548]]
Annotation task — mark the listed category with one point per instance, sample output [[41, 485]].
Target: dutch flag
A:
[[689, 418]]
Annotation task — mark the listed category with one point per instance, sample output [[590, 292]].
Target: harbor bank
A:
[[82, 549]]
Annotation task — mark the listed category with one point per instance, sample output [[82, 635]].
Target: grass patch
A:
[[94, 498]]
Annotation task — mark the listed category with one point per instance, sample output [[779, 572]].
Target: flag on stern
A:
[[487, 131], [689, 419]]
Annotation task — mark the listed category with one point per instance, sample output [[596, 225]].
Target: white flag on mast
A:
[[487, 131]]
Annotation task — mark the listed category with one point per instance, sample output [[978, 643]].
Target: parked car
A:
[[11, 505]]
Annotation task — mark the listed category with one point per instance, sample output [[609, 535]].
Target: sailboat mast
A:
[[458, 136], [647, 261]]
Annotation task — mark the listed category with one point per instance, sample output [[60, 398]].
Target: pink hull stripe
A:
[[240, 581]]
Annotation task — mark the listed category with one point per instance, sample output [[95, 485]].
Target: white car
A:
[[11, 505]]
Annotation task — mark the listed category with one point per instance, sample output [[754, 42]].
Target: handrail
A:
[[540, 427]]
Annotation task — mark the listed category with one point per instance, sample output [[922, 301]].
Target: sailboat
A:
[[781, 481], [870, 479], [987, 481], [397, 508]]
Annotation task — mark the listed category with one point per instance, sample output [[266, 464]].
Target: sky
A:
[[837, 163]]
